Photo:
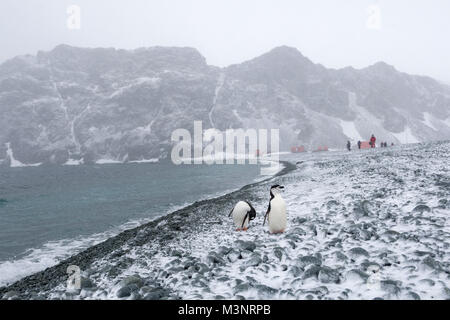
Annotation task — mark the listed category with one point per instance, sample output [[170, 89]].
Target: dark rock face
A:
[[91, 104]]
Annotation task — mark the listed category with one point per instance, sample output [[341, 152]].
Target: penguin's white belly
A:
[[239, 213], [277, 215]]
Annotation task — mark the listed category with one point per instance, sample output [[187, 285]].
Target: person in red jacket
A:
[[372, 141]]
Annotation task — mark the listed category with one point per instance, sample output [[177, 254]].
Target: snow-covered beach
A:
[[361, 225]]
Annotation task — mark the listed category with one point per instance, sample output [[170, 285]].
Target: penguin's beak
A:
[[281, 187]]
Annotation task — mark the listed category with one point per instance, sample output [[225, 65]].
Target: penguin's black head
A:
[[275, 189]]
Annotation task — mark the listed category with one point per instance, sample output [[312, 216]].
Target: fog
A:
[[409, 34]]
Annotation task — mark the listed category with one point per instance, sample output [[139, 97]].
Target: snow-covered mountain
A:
[[74, 105]]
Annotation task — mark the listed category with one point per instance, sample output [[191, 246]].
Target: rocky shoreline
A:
[[361, 225], [180, 221]]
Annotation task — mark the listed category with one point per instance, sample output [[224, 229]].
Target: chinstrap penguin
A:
[[276, 213], [242, 213]]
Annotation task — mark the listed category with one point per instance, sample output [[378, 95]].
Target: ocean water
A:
[[48, 213]]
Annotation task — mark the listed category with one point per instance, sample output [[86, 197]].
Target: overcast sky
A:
[[412, 35]]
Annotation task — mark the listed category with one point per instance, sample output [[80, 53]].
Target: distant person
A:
[[349, 146], [359, 145], [373, 140]]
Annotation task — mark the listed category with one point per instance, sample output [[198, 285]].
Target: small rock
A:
[[390, 286], [390, 236], [300, 220], [223, 279], [427, 282], [311, 272], [412, 296], [86, 283], [295, 271], [223, 251], [124, 292], [421, 208], [370, 266], [213, 258], [423, 253], [328, 275], [319, 291], [266, 290], [245, 245], [340, 256], [254, 261], [157, 294], [241, 287], [176, 253], [10, 295], [358, 252], [298, 231], [305, 261], [233, 255], [430, 263], [201, 268], [278, 252], [132, 280], [356, 275], [245, 254]]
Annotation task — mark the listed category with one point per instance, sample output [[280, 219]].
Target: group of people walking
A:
[[372, 143]]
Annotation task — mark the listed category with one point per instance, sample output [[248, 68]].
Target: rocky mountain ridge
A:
[[78, 105]]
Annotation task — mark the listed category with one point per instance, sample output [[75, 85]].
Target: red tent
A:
[[365, 145]]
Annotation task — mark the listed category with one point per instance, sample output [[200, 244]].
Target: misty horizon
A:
[[404, 34]]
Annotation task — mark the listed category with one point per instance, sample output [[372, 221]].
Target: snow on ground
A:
[[406, 136], [153, 82], [349, 129], [361, 225], [152, 160], [16, 163], [107, 161], [74, 162], [429, 119]]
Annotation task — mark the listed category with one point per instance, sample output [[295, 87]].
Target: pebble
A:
[[245, 245], [390, 286], [328, 275], [302, 262]]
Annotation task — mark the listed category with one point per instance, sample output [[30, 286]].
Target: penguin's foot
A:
[[238, 229], [277, 232], [245, 229]]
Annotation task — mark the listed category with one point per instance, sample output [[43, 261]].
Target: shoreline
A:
[[52, 276]]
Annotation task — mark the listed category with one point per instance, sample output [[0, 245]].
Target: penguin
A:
[[276, 213], [242, 213]]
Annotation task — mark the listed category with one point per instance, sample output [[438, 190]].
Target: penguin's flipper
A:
[[231, 212], [243, 222], [267, 213]]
